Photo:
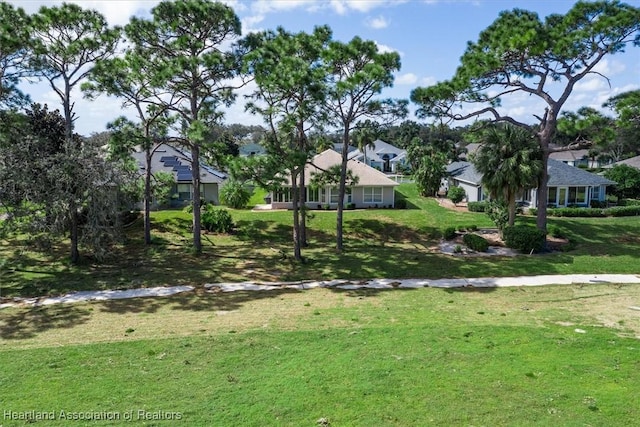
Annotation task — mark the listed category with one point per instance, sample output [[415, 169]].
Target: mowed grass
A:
[[378, 243], [562, 355]]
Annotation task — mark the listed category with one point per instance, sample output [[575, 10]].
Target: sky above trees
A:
[[429, 35]]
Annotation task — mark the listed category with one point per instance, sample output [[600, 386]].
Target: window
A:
[[577, 195], [594, 193], [313, 194], [552, 198], [283, 195], [184, 191], [334, 196], [372, 194]]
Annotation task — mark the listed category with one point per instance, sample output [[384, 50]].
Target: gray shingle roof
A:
[[560, 174]]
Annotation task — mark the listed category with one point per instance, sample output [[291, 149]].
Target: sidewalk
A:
[[480, 282]]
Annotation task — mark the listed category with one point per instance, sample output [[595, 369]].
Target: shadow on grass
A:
[[28, 323]]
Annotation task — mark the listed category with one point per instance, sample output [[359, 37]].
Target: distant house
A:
[[634, 162], [567, 185], [577, 158], [373, 189], [382, 156], [177, 162], [252, 149]]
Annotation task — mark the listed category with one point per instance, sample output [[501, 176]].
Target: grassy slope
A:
[[379, 243], [396, 358]]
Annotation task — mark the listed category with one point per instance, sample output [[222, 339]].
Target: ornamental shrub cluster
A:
[[449, 233], [234, 195], [217, 220], [456, 194], [591, 212], [524, 238], [477, 206], [475, 242]]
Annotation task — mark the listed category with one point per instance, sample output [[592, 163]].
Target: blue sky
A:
[[430, 36]]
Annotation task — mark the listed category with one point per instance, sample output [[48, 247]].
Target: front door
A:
[[562, 196]]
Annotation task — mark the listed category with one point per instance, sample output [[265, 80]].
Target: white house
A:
[[169, 159], [373, 189], [567, 185], [382, 156]]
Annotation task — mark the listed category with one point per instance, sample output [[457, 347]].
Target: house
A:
[[567, 185], [373, 188], [634, 162], [577, 158], [251, 149], [382, 156], [169, 159]]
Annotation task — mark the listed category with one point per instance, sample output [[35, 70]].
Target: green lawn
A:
[[554, 355], [378, 243], [517, 357]]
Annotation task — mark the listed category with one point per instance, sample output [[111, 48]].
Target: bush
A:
[[628, 202], [449, 233], [401, 204], [472, 227], [477, 206], [577, 212], [598, 204], [217, 220], [558, 232], [456, 194], [623, 211], [524, 238], [475, 242], [234, 195]]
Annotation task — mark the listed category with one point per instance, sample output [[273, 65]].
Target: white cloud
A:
[[428, 81], [386, 49], [377, 23], [406, 79], [268, 6]]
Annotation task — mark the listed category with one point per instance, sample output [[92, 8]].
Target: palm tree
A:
[[509, 160], [364, 138]]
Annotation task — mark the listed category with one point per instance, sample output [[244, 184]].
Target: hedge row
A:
[[477, 206], [591, 212]]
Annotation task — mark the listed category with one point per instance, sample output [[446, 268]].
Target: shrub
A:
[[449, 233], [472, 227], [401, 204], [524, 238], [477, 206], [217, 220], [234, 195], [623, 211], [533, 211], [456, 194], [475, 242], [628, 202], [598, 204], [577, 212], [558, 232], [499, 214]]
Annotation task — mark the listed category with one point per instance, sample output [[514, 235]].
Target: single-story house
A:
[[167, 158], [568, 185], [382, 156], [634, 162], [373, 189], [577, 158], [251, 149]]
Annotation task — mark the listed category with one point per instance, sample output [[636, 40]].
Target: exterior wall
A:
[[208, 192], [356, 198], [598, 192], [474, 193]]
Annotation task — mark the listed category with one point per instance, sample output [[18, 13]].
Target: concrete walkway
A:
[[480, 282]]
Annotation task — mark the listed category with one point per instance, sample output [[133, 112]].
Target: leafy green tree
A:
[[66, 41], [41, 176], [358, 73], [627, 179], [456, 194], [235, 195], [509, 160], [627, 108], [14, 39], [428, 167], [191, 64], [521, 54], [291, 106]]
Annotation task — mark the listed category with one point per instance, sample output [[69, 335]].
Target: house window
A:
[[552, 199], [577, 195], [313, 195], [524, 195], [334, 196], [283, 195], [184, 191], [594, 193], [372, 194]]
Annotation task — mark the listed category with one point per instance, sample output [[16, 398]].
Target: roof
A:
[[560, 174], [563, 174], [378, 150], [170, 159], [367, 176], [633, 162], [570, 155], [464, 171]]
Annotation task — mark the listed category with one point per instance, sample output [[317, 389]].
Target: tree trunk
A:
[[512, 208], [303, 210], [75, 254], [147, 197], [543, 191], [342, 188], [295, 197], [195, 179]]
